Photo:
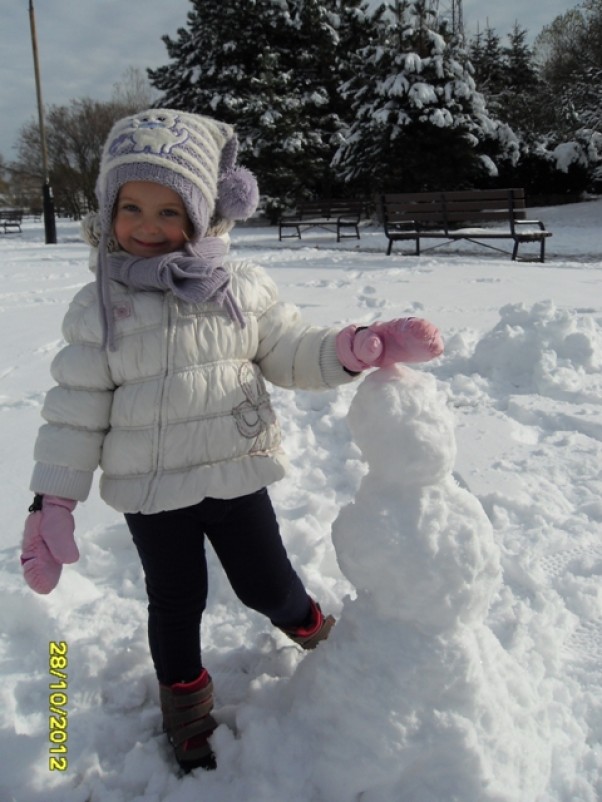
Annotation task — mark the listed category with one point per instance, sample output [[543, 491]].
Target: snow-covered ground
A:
[[455, 534]]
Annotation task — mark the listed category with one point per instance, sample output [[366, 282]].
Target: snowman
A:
[[413, 698]]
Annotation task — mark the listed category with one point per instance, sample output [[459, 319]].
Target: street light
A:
[[48, 202]]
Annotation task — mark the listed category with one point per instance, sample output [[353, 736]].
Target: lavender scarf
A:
[[195, 275]]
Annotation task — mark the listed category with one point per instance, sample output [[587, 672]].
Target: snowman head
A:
[[405, 432]]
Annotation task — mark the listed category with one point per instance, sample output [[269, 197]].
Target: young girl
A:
[[161, 383]]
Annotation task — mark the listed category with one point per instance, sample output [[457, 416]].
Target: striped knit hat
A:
[[191, 154]]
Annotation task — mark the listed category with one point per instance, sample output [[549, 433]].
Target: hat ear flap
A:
[[237, 190]]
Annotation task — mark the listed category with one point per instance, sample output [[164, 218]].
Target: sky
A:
[[448, 514], [85, 48]]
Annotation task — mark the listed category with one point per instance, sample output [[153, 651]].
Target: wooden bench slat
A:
[[479, 206], [471, 215]]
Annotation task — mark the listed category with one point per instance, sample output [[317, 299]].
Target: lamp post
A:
[[47, 198]]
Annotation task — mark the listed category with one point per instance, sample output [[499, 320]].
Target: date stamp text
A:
[[57, 704]]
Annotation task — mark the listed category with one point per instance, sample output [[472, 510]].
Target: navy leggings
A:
[[245, 535]]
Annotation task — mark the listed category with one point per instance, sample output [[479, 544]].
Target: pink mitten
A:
[[380, 345], [48, 542]]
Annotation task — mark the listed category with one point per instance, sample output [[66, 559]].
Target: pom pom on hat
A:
[[237, 191], [237, 194]]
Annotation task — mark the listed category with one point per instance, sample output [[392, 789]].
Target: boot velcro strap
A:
[[182, 716], [182, 700], [171, 701], [200, 726]]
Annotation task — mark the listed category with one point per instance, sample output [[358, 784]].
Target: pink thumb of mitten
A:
[[58, 527], [381, 345]]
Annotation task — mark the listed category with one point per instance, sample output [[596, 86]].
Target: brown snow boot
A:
[[314, 630], [186, 708]]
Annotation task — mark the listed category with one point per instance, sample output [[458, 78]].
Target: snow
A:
[[448, 515], [568, 153]]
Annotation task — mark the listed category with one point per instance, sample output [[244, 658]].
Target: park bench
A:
[[341, 216], [472, 215], [11, 219]]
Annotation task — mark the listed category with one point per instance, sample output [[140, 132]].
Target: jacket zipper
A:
[[170, 314]]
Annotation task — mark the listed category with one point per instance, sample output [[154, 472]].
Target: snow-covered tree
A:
[[570, 51], [571, 43], [331, 32], [271, 68], [228, 63], [359, 25], [227, 51], [311, 59], [420, 122]]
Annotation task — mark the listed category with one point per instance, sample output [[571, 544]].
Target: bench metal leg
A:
[[542, 249], [282, 236], [416, 241], [341, 226]]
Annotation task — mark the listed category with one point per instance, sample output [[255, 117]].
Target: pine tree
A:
[[329, 32], [511, 83], [419, 122], [359, 26], [487, 59], [272, 68], [521, 72], [227, 51], [311, 60], [231, 63]]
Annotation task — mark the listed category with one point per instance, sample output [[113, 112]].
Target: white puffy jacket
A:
[[179, 410]]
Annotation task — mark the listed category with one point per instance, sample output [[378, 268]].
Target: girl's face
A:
[[150, 219]]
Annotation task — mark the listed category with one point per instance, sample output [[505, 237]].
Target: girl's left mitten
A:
[[48, 542]]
